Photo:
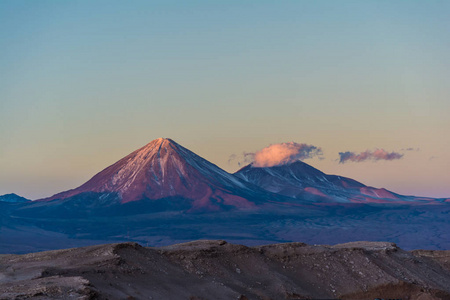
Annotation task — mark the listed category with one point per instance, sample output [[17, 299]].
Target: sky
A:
[[84, 83]]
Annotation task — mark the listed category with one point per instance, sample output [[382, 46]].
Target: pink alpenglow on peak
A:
[[163, 169], [284, 153]]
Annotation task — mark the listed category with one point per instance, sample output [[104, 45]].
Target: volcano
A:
[[302, 181], [164, 169]]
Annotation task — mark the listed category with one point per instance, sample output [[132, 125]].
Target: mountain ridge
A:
[[163, 169], [170, 177]]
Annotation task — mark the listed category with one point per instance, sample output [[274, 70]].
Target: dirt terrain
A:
[[219, 270]]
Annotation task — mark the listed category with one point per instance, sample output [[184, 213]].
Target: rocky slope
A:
[[219, 270]]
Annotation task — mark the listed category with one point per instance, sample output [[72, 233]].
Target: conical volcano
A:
[[163, 169]]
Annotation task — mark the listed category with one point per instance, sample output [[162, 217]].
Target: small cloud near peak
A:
[[283, 153]]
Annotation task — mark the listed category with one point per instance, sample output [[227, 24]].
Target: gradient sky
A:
[[84, 83]]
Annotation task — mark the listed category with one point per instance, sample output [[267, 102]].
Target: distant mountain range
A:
[[164, 193], [164, 169]]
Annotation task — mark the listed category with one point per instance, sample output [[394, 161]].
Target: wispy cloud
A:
[[232, 158], [376, 155], [411, 149], [244, 158]]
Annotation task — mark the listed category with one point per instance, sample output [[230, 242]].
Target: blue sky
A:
[[83, 83]]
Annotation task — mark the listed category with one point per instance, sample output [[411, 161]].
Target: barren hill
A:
[[219, 270]]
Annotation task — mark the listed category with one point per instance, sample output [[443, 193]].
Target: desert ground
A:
[[215, 269]]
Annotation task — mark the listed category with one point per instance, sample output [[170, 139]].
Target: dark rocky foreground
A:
[[219, 270]]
